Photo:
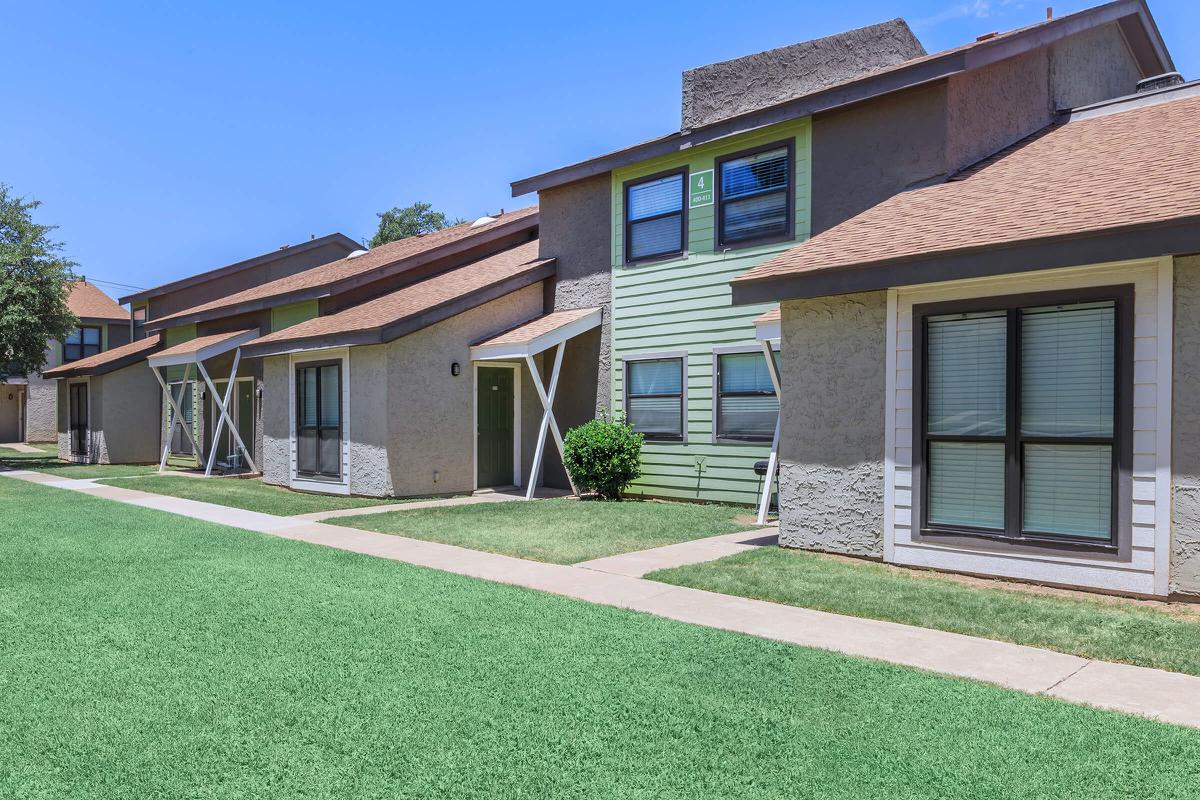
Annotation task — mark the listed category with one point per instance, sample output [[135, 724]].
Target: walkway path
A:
[[697, 551], [484, 496], [21, 447], [1166, 696]]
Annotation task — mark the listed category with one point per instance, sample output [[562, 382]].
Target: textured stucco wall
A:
[[62, 422], [1185, 430], [1092, 66], [726, 89], [274, 410], [831, 447], [122, 404], [990, 108], [370, 420], [40, 399], [575, 227]]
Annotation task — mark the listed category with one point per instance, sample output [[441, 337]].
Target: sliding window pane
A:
[[1068, 490], [654, 210], [966, 357], [1067, 370], [656, 237], [656, 416], [966, 484], [655, 377], [654, 397]]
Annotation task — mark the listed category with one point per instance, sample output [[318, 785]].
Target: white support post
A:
[[764, 502], [548, 421], [225, 414], [176, 414], [212, 453]]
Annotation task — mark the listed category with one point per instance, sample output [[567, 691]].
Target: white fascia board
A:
[[505, 352], [204, 353]]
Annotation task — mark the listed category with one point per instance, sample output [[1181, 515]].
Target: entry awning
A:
[[108, 361], [202, 348], [537, 335], [769, 327]]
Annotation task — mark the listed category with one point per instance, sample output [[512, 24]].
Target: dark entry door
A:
[[494, 411], [79, 419]]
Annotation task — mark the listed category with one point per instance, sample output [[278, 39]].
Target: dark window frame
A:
[[78, 408], [683, 420], [718, 395], [67, 359], [317, 365], [1013, 537], [683, 216], [136, 328], [789, 190]]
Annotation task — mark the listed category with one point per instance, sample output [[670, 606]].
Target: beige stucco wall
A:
[[276, 421], [831, 444], [122, 407], [1185, 430]]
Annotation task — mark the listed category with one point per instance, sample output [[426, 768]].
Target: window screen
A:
[[654, 218], [747, 407], [654, 397], [755, 199]]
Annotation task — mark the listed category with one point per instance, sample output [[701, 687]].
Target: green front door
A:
[[494, 410]]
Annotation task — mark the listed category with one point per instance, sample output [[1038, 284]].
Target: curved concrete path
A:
[[1166, 696]]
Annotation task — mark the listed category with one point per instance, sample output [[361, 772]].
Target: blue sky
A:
[[167, 139]]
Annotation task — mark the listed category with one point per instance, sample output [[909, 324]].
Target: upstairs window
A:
[[138, 319], [747, 407], [754, 191], [82, 342], [654, 217], [654, 397]]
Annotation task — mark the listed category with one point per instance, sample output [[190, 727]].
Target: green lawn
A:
[[47, 461], [1105, 628], [249, 494], [147, 655], [560, 531]]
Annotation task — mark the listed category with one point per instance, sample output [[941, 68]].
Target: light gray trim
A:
[[926, 70], [658, 355], [733, 349], [1141, 100]]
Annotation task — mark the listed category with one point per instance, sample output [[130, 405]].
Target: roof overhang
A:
[[202, 348], [406, 325], [1174, 237], [108, 361], [537, 335], [1137, 25], [769, 327]]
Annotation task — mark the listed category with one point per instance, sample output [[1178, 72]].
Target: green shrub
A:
[[603, 456]]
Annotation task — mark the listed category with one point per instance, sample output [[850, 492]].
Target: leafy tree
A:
[[35, 281], [401, 223]]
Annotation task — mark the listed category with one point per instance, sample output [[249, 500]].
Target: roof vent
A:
[[1159, 82], [983, 37], [357, 253], [484, 220]]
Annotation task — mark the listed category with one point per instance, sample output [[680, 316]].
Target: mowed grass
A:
[[249, 494], [559, 531], [1110, 629], [147, 655], [47, 461]]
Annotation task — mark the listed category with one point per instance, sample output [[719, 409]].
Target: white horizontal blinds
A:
[[1068, 374], [966, 356], [966, 484], [655, 214], [747, 406], [1068, 490], [654, 400], [1067, 370], [754, 196]]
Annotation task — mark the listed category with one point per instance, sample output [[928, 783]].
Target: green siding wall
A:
[[172, 337], [685, 304], [293, 314]]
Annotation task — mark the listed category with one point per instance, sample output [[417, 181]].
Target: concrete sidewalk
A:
[[1166, 696], [483, 496], [697, 551], [21, 447]]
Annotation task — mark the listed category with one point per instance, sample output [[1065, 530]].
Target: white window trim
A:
[[1148, 572], [517, 465], [295, 481], [682, 355], [734, 349]]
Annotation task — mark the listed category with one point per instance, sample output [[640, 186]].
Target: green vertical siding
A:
[[685, 304], [293, 314]]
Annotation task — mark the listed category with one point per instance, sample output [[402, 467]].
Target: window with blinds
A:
[[1021, 411], [747, 407], [654, 219], [755, 196], [654, 397], [82, 342], [319, 420]]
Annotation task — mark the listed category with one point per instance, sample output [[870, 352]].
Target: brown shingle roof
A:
[[528, 331], [769, 316], [194, 346], [416, 299], [1135, 167], [351, 267], [88, 302], [107, 361]]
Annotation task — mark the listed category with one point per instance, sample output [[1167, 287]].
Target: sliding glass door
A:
[[79, 419], [319, 420]]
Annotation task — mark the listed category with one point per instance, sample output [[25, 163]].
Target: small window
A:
[[654, 218], [138, 318], [654, 397], [81, 343], [319, 420], [747, 407], [755, 197]]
